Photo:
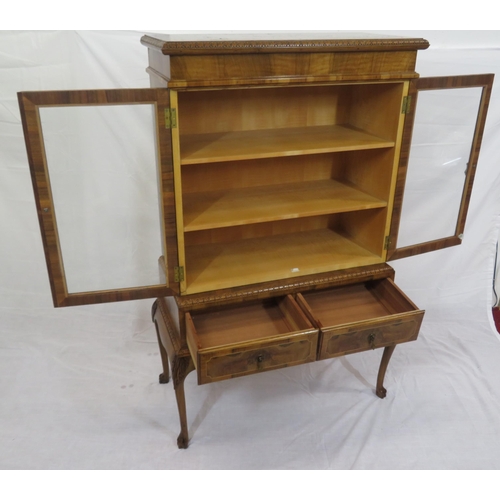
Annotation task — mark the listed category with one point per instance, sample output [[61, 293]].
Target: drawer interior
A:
[[375, 299], [247, 323], [250, 338]]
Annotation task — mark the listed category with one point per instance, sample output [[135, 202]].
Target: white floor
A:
[[79, 391]]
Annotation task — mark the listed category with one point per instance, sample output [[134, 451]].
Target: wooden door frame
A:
[[437, 83], [30, 104]]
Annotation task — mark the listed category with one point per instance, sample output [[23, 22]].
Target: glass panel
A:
[[445, 122], [102, 163]]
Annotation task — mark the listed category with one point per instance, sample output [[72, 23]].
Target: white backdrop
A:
[[79, 386]]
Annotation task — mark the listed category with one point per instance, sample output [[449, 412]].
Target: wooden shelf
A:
[[246, 145], [216, 209], [226, 265]]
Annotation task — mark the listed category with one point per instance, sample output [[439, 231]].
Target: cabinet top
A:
[[262, 42]]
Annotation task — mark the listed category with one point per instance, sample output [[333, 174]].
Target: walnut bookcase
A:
[[282, 169]]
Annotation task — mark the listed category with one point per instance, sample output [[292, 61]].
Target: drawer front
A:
[[361, 317], [251, 338], [238, 361], [360, 337]]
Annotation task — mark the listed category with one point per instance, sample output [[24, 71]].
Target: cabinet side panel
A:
[[159, 67]]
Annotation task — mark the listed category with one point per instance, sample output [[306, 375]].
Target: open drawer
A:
[[248, 339], [360, 317]]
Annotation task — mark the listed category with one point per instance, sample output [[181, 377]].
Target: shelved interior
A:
[[284, 182]]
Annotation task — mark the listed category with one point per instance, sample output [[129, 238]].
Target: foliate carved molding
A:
[[173, 47], [284, 288]]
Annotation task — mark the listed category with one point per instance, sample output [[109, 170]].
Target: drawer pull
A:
[[371, 340], [260, 358]]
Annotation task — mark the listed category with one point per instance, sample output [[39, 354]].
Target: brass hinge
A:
[[170, 118], [406, 105], [387, 242], [179, 274]]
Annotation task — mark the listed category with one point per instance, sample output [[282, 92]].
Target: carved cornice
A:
[[206, 47]]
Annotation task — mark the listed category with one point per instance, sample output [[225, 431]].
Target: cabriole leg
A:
[[176, 357], [165, 375], [386, 357], [181, 367]]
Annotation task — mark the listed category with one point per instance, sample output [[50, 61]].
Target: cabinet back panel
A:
[[206, 112], [370, 171], [260, 230], [264, 172], [366, 228], [367, 106]]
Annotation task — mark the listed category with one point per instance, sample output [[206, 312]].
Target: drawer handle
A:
[[260, 358], [371, 340]]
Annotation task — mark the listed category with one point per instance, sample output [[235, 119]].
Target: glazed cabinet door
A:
[[440, 150], [101, 166]]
